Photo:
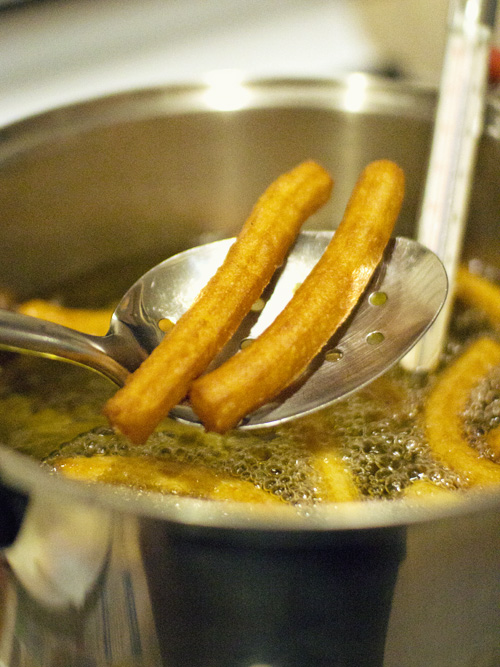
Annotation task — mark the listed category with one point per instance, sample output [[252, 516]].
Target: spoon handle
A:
[[457, 130], [22, 333]]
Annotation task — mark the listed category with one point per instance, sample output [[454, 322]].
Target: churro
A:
[[478, 292], [166, 375], [335, 484], [155, 474], [321, 304], [86, 320], [445, 406]]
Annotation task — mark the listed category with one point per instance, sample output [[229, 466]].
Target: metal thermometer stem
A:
[[458, 126]]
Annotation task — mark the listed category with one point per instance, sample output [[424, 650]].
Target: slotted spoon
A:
[[403, 298]]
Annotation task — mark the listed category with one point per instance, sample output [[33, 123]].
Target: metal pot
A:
[[92, 577]]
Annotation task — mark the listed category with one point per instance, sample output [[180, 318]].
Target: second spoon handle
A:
[[22, 333], [458, 126]]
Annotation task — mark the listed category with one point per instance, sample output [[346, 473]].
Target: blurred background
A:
[[59, 51]]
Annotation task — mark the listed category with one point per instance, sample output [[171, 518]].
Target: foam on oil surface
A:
[[376, 432], [482, 413]]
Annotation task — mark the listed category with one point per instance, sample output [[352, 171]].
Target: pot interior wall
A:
[[74, 198], [103, 183]]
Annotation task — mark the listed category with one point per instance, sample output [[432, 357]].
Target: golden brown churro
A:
[[480, 293], [336, 484], [156, 474], [425, 490], [95, 322], [320, 305], [493, 440], [165, 376], [445, 405]]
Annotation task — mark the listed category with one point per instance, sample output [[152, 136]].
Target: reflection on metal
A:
[[60, 551], [226, 91], [113, 625], [356, 91]]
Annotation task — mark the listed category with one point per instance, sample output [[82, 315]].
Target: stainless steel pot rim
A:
[[356, 92], [27, 476], [345, 93], [222, 95], [348, 93]]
